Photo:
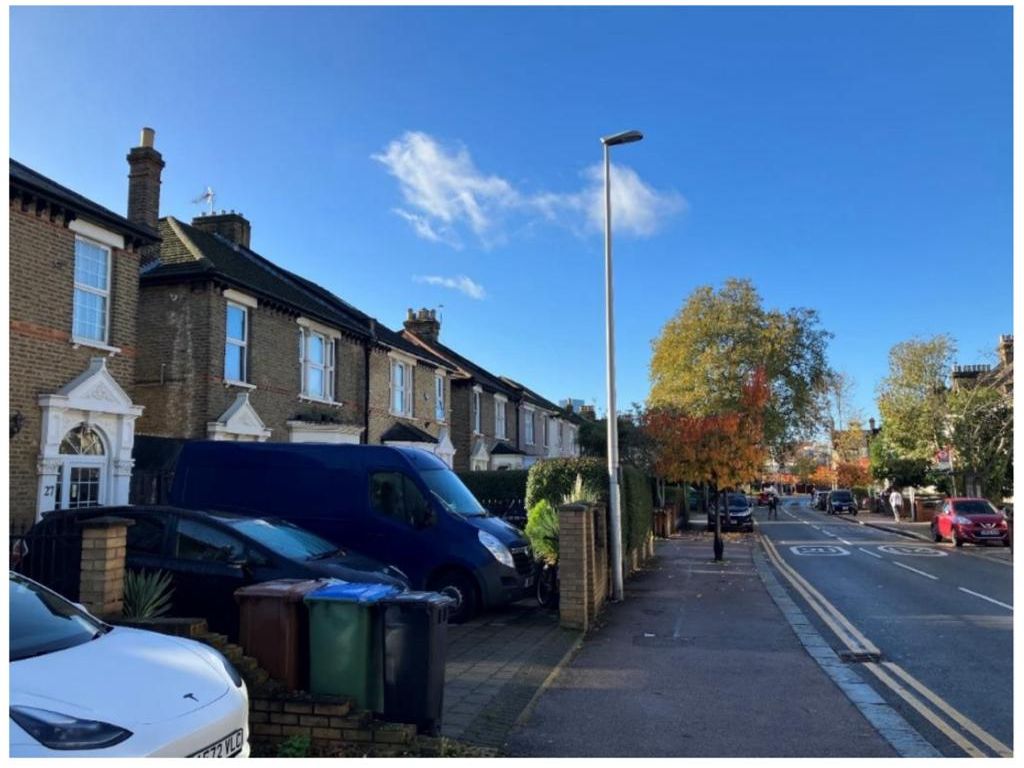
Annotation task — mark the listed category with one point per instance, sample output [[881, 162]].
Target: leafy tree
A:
[[634, 445], [822, 477], [850, 474], [803, 467], [912, 397], [888, 466], [712, 347], [724, 449], [981, 433]]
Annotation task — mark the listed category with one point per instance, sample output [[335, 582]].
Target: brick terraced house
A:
[[492, 415], [235, 347], [74, 283]]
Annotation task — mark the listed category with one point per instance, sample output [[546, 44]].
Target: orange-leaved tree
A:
[[852, 473], [822, 476], [724, 449]]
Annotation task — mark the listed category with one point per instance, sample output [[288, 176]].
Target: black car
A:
[[735, 512], [840, 501], [208, 554]]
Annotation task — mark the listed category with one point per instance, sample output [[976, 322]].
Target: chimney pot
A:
[[145, 165], [146, 139]]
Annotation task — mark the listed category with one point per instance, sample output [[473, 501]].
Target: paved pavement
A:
[[940, 619], [495, 666], [697, 661]]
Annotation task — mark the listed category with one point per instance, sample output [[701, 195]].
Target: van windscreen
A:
[[455, 496]]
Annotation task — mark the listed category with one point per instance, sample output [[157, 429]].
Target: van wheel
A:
[[461, 588]]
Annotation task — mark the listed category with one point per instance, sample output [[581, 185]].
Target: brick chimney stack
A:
[[234, 226], [424, 325], [145, 165]]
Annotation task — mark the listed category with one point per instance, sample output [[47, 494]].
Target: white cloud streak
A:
[[461, 283], [444, 193]]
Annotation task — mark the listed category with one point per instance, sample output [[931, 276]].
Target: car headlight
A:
[[962, 520], [496, 548], [228, 666], [57, 731]]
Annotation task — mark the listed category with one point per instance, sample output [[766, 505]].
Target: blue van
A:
[[402, 506]]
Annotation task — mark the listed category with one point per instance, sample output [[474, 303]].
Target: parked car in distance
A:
[[763, 497], [970, 520], [211, 554], [399, 505], [821, 500], [735, 512], [840, 501], [82, 688]]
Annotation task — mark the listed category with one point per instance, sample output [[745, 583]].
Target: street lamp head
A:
[[626, 137]]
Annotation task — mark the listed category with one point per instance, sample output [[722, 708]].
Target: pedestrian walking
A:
[[773, 507], [896, 502]]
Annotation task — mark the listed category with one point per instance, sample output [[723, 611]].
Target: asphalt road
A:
[[940, 618]]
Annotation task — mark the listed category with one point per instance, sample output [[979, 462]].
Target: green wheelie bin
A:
[[346, 642]]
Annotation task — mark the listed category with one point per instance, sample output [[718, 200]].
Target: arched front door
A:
[[82, 477]]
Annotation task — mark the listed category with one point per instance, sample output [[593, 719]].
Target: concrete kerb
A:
[[889, 724]]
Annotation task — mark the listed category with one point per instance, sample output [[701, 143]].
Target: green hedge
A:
[[496, 485], [553, 479]]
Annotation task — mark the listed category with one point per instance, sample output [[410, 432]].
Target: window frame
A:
[[477, 412], [105, 295], [243, 345], [407, 389], [529, 427], [500, 409], [440, 411], [327, 368]]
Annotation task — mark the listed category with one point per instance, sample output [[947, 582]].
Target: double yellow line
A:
[[959, 728]]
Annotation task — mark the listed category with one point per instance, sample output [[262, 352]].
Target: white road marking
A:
[[922, 573], [869, 552], [847, 543], [984, 597]]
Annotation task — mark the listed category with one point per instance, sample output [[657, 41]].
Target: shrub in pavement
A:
[[542, 530], [496, 485]]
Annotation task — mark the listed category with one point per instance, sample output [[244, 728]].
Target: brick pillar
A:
[[574, 539], [104, 540]]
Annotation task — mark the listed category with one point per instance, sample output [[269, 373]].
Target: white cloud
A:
[[460, 283], [445, 192]]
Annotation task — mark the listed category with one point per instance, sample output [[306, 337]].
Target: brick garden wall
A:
[[42, 359]]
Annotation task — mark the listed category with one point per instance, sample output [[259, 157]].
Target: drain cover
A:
[[859, 657]]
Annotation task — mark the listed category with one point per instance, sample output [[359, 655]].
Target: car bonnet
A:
[[126, 677]]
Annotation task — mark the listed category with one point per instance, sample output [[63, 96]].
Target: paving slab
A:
[[495, 666], [697, 661]]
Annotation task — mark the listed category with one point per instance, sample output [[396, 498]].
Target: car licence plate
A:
[[991, 533], [226, 747]]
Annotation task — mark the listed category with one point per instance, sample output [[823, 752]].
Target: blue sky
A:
[[854, 160]]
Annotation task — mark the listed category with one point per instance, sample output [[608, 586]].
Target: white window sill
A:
[[239, 384], [320, 401], [77, 342], [401, 415]]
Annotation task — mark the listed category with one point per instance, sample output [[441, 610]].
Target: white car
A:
[[81, 688]]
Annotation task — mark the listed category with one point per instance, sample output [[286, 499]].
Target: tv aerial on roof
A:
[[207, 197]]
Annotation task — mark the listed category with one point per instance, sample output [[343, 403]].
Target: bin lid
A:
[[353, 592], [422, 598], [292, 590]]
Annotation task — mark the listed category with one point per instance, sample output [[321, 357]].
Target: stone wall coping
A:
[[107, 521]]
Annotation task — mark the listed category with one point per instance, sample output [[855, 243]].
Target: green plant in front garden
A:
[[542, 530], [147, 595], [294, 746]]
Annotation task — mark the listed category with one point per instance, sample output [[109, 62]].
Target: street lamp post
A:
[[627, 137]]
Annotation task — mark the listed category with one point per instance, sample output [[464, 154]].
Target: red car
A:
[[971, 520]]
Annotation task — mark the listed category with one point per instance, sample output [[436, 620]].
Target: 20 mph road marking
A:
[[983, 597], [922, 573]]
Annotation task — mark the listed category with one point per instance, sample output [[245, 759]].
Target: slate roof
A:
[[406, 433], [482, 376], [532, 397], [188, 251], [24, 179]]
